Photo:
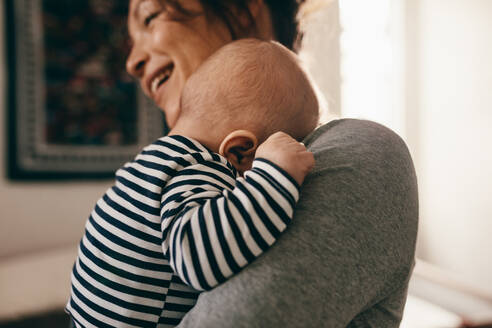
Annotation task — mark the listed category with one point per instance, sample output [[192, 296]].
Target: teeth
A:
[[159, 79]]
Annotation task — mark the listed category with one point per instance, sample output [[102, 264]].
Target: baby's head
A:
[[251, 85]]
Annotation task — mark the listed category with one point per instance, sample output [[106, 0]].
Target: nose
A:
[[135, 63]]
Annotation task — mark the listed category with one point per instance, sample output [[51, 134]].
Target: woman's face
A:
[[167, 48]]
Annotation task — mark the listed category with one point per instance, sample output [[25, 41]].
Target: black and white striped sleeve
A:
[[214, 225]]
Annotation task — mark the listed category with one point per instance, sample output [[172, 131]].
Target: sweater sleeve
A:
[[212, 229]]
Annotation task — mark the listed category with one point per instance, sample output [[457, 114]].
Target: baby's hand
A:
[[288, 153]]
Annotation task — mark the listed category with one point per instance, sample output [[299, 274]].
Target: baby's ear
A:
[[239, 148]]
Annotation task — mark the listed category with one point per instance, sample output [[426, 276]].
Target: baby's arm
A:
[[212, 231]]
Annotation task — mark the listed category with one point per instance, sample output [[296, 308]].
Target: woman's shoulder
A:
[[358, 143], [352, 131], [362, 197]]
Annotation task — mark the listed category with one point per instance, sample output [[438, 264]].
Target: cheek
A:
[[165, 36], [184, 47]]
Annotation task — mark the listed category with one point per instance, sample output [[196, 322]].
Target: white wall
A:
[[424, 68], [450, 106], [37, 221]]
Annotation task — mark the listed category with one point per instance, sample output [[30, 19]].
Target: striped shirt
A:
[[177, 221]]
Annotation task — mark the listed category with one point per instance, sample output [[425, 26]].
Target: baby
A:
[[197, 206], [255, 87]]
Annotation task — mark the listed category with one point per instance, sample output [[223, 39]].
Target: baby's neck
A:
[[204, 136]]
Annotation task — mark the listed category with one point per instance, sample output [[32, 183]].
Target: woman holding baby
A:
[[346, 258]]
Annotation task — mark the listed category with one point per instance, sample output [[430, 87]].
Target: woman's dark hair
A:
[[283, 12]]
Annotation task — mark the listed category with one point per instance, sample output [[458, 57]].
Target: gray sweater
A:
[[346, 258]]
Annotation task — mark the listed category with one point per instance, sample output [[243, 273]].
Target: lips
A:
[[159, 78]]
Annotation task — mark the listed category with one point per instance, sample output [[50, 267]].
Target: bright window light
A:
[[371, 64]]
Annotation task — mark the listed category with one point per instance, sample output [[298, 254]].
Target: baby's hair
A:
[[254, 85]]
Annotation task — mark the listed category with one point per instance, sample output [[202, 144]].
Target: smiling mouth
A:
[[161, 78]]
